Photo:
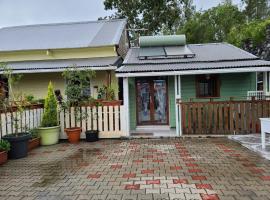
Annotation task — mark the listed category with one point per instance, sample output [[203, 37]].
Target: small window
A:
[[207, 86]]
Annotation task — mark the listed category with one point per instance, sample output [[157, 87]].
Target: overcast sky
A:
[[21, 12]]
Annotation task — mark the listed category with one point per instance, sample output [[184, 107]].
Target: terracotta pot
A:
[[3, 157], [73, 134], [33, 143]]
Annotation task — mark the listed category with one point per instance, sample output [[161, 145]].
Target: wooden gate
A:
[[223, 117]]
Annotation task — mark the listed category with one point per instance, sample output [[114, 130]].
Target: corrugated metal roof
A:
[[207, 57], [191, 66], [61, 65], [62, 35], [203, 52]]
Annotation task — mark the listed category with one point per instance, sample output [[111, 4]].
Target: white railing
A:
[[109, 120], [22, 121], [259, 95]]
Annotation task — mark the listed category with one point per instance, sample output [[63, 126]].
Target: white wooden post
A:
[[266, 86], [126, 103], [177, 86]]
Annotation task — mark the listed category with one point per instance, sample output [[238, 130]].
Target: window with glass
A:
[[207, 86]]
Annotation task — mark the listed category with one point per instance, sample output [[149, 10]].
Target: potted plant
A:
[[34, 142], [49, 130], [106, 96], [4, 148], [18, 140], [77, 91]]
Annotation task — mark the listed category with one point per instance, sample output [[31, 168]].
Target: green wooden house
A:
[[164, 70]]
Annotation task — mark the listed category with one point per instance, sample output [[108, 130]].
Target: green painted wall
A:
[[171, 94], [132, 103], [231, 85]]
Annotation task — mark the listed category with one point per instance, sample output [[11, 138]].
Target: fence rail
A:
[[109, 120], [11, 119], [223, 117]]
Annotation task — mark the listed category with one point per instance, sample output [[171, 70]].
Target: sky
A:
[[23, 12]]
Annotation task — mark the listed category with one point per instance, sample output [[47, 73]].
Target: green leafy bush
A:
[[77, 90], [34, 133], [49, 118], [106, 93], [4, 145]]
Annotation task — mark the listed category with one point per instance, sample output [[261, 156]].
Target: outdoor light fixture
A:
[[207, 76]]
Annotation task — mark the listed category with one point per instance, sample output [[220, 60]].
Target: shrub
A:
[[34, 133], [4, 145], [49, 118], [77, 90]]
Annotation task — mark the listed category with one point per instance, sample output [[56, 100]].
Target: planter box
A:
[[3, 157], [33, 143]]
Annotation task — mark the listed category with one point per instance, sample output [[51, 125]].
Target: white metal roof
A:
[[62, 35]]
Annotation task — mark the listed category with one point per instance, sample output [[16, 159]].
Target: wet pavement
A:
[[253, 142], [197, 168]]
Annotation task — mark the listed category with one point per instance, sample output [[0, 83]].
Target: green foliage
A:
[[152, 15], [77, 85], [16, 100], [213, 25], [4, 145], [34, 133], [49, 118], [106, 93], [30, 98], [255, 31], [256, 9]]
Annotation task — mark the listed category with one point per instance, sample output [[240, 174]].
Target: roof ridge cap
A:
[[64, 23]]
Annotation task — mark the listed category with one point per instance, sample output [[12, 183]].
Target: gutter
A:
[[194, 72], [50, 70]]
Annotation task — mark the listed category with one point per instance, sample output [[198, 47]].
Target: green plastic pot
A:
[[49, 135]]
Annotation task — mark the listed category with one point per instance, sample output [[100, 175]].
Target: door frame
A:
[[150, 80]]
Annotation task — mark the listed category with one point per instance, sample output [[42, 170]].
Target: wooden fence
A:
[[109, 120], [22, 121], [223, 117]]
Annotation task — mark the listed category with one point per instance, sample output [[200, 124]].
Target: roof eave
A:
[[194, 72], [55, 70]]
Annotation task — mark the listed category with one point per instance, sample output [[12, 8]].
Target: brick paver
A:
[[203, 169]]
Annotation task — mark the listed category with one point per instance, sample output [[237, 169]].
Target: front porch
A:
[[227, 113]]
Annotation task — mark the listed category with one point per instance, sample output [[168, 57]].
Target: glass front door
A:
[[152, 104]]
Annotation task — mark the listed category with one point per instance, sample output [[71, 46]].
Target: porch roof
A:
[[209, 58], [46, 66]]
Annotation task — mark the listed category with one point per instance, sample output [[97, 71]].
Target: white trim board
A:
[[35, 71], [194, 72]]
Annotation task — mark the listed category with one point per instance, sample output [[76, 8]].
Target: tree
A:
[[213, 25], [256, 9], [49, 118], [254, 31], [153, 15]]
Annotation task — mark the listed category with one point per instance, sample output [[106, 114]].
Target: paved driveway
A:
[[138, 169]]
